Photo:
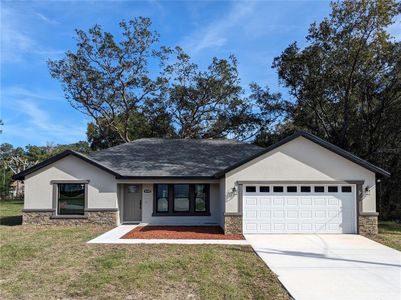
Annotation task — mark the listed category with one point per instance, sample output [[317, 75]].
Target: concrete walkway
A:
[[113, 237], [331, 266]]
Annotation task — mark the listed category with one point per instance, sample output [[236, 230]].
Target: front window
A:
[[200, 197], [181, 197], [71, 199], [162, 198]]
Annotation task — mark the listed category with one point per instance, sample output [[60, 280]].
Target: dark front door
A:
[[132, 210]]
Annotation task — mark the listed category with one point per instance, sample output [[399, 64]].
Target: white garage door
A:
[[294, 208]]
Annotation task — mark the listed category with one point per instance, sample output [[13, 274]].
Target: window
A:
[[133, 189], [181, 197], [333, 189], [264, 189], [181, 200], [346, 189], [278, 189], [319, 189], [291, 189], [162, 198], [305, 189], [71, 199], [250, 189], [200, 197]]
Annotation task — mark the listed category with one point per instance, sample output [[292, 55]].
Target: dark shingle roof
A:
[[174, 157], [185, 158]]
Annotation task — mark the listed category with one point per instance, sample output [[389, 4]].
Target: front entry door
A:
[[132, 210]]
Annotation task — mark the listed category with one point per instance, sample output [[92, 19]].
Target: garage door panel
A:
[[278, 214], [292, 214], [265, 201], [319, 201], [279, 201], [265, 227], [306, 227], [251, 201], [320, 214], [279, 227], [292, 201], [251, 214], [265, 214], [294, 211], [333, 201], [293, 227], [251, 226], [306, 214]]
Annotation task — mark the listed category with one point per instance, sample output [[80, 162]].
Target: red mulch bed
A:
[[181, 232]]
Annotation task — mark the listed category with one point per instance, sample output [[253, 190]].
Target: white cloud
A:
[[17, 42], [16, 92], [216, 33], [46, 19], [35, 123]]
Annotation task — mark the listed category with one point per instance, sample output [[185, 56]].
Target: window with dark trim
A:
[[346, 189], [278, 189], [319, 189], [200, 197], [181, 200], [250, 189], [291, 189], [332, 189], [71, 199], [162, 198], [305, 189], [264, 189]]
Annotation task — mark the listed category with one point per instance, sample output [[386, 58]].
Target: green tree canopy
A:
[[345, 85]]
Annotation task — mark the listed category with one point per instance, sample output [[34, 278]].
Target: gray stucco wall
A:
[[102, 187], [300, 160]]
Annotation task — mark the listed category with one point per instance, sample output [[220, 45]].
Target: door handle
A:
[[140, 204]]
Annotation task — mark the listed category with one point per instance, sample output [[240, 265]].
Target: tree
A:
[[211, 103], [345, 85], [109, 80]]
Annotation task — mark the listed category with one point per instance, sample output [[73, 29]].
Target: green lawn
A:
[[51, 262], [389, 235]]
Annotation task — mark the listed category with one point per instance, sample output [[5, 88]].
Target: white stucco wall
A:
[[215, 209], [300, 160], [102, 188]]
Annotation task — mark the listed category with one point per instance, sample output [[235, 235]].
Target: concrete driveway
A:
[[331, 266]]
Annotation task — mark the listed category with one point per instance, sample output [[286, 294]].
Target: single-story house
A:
[[302, 184]]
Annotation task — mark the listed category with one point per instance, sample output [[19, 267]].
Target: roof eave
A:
[[61, 155], [166, 177]]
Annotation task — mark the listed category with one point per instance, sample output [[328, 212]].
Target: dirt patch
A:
[[181, 232]]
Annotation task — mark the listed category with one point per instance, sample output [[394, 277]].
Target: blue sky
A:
[[33, 108]]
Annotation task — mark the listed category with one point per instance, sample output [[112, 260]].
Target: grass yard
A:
[[389, 235], [43, 263]]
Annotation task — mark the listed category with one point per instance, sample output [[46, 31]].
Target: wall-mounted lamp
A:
[[234, 189], [367, 188]]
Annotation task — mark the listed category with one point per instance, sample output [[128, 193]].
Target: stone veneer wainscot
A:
[[368, 224], [232, 223], [43, 217]]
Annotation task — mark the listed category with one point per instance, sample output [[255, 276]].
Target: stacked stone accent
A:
[[233, 224], [103, 218], [368, 224]]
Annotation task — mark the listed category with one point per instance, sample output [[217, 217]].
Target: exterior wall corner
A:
[[233, 224]]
